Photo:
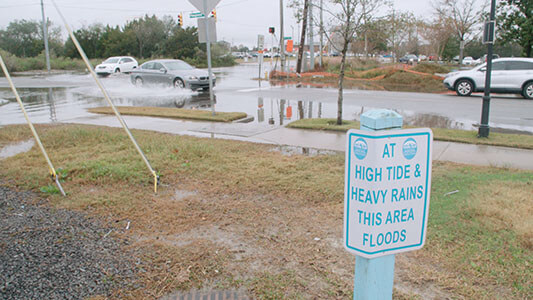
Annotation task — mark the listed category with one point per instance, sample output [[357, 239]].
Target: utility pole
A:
[[282, 37], [301, 47], [311, 43], [321, 30], [45, 38]]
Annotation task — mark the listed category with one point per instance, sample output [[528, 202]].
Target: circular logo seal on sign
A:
[[360, 148], [409, 148]]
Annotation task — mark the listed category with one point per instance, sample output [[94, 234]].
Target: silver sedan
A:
[[171, 72]]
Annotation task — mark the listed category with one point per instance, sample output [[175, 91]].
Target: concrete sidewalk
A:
[[481, 155]]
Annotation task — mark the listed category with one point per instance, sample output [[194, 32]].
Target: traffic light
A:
[[180, 20], [271, 30], [214, 14]]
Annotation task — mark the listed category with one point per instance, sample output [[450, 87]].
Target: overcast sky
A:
[[239, 21]]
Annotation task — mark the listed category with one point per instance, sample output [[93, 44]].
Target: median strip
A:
[[172, 113], [521, 141]]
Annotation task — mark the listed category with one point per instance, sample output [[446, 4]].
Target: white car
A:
[[116, 64], [509, 75], [469, 60]]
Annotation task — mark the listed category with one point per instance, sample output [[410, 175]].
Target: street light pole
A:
[[484, 126]]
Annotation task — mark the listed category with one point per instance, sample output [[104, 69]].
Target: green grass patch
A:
[[324, 124], [465, 231], [172, 113], [37, 63], [440, 134], [431, 68]]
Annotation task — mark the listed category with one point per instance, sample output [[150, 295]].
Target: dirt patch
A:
[[508, 206]]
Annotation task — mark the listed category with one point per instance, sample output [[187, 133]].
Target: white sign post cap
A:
[[380, 119], [210, 5]]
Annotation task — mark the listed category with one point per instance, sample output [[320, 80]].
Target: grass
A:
[[251, 217], [440, 134], [23, 64], [431, 68], [172, 113], [38, 63]]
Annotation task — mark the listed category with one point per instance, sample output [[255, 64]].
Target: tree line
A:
[[377, 27], [145, 37], [455, 26]]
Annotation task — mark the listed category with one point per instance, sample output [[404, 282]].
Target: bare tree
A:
[[302, 38], [437, 32], [398, 27], [347, 17], [464, 15], [367, 8]]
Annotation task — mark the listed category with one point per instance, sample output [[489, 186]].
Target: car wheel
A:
[[180, 103], [527, 92], [139, 81], [464, 87], [117, 70], [178, 84]]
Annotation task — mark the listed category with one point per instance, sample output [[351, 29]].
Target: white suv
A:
[[509, 75], [116, 64]]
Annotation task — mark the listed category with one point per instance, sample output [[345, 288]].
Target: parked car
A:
[[409, 58], [509, 75], [483, 59], [172, 72], [116, 64], [468, 61]]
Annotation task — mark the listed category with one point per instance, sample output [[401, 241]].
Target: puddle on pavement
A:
[[14, 149], [294, 150]]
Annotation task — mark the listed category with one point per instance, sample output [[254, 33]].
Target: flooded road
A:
[[65, 97]]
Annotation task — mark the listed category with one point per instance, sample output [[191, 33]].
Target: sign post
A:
[[386, 201], [260, 47], [205, 6]]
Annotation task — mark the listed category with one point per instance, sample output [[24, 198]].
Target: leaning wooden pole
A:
[[51, 168], [106, 96]]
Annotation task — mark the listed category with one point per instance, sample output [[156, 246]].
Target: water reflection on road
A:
[[232, 94]]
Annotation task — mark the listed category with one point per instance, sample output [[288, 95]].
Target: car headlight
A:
[[193, 78], [450, 74]]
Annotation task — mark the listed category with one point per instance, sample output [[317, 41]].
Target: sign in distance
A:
[[209, 5]]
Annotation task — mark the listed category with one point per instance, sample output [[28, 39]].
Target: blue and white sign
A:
[[387, 191]]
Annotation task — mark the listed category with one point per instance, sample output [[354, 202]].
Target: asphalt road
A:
[[506, 111], [236, 91]]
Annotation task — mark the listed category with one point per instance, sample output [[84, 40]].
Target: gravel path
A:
[[48, 253]]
